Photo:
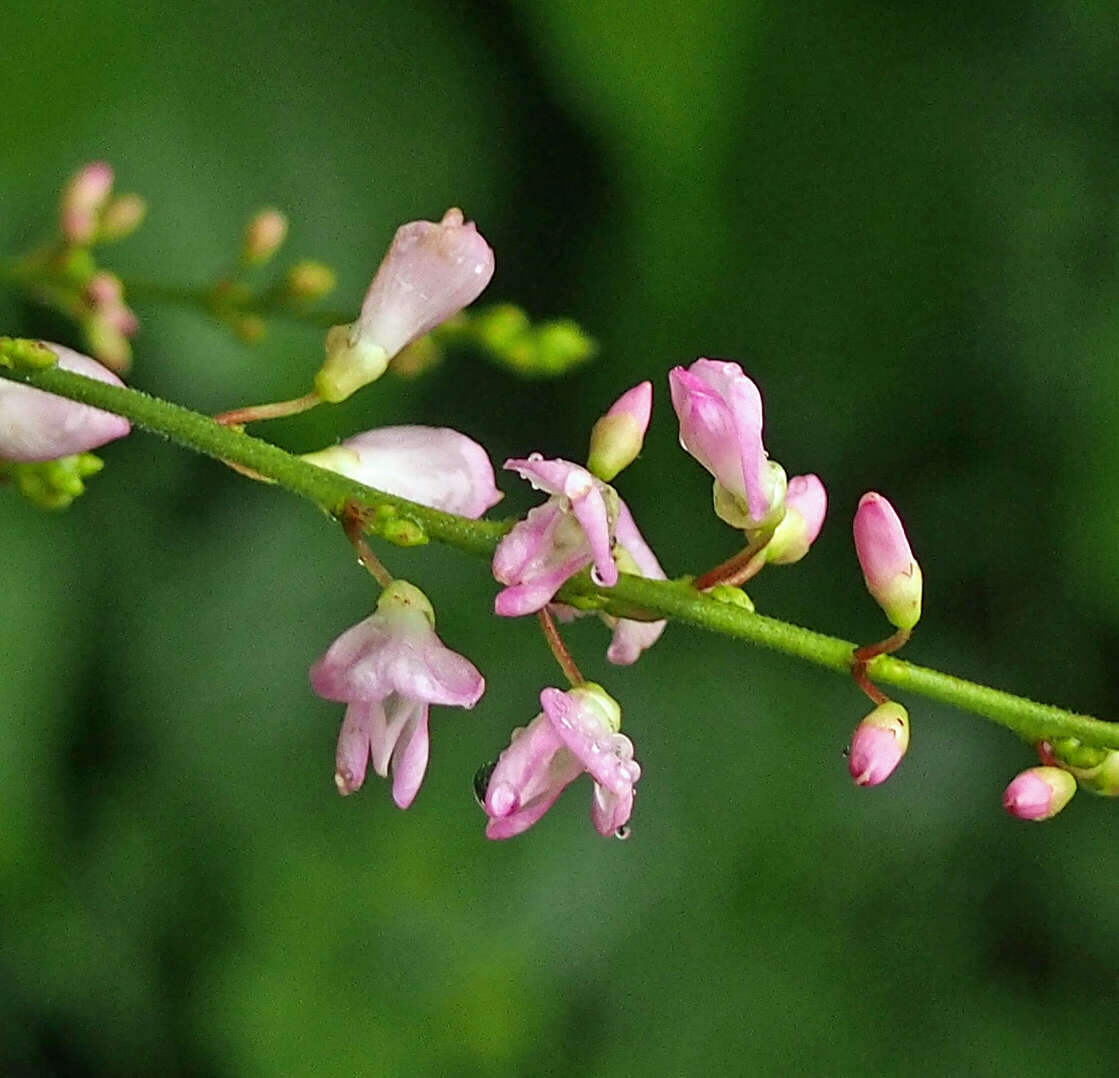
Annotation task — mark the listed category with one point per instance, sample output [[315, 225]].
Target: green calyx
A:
[[400, 597], [19, 353], [594, 696]]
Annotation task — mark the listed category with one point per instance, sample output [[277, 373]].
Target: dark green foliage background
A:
[[902, 221]]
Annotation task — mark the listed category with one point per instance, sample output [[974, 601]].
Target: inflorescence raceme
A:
[[390, 668]]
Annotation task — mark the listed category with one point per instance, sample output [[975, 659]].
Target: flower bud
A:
[[121, 218], [263, 236], [892, 575], [1039, 793], [617, 437], [878, 744], [308, 281], [806, 503], [82, 202], [431, 271]]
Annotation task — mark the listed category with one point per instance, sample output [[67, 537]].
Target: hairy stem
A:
[[678, 600]]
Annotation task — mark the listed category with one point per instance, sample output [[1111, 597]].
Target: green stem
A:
[[632, 596]]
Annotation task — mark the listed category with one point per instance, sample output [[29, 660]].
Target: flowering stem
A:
[[559, 649], [382, 514]]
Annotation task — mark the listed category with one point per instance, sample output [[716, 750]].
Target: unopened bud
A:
[[250, 328], [263, 236], [121, 218], [1039, 793], [878, 744], [806, 504], [617, 437], [308, 281], [892, 575], [82, 201]]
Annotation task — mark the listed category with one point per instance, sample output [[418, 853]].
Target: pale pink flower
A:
[[434, 466], [806, 505], [878, 744], [389, 668], [720, 413], [574, 528], [1039, 793], [577, 731], [892, 574], [431, 271], [617, 438], [36, 426]]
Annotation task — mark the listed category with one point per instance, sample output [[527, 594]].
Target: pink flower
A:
[[892, 575], [35, 425], [389, 668], [720, 413], [806, 504], [878, 744], [617, 438], [434, 466], [431, 271], [574, 528], [577, 731], [1039, 793]]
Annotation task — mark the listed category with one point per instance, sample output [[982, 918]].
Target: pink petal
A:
[[435, 466], [36, 426]]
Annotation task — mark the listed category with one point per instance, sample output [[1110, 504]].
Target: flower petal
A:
[[37, 426]]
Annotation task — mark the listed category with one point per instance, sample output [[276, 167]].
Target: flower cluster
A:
[[391, 667]]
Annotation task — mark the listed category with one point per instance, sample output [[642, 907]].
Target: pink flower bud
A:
[[431, 271], [806, 504], [878, 744], [892, 575], [1039, 793], [263, 236], [35, 425], [82, 201], [616, 439]]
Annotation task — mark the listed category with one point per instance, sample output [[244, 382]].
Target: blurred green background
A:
[[902, 220]]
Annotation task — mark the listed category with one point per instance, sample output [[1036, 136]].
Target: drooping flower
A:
[[388, 669], [720, 413], [617, 438], [806, 505], [577, 731], [435, 466], [574, 528], [35, 425], [892, 574], [431, 271], [1039, 793], [878, 744]]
